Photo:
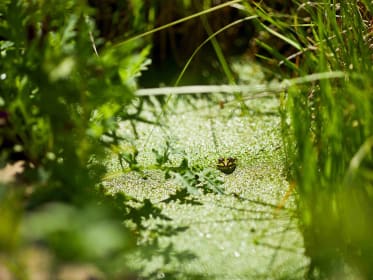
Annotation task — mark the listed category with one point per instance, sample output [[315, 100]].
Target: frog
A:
[[227, 164]]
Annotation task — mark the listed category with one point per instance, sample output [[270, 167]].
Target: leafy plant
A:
[[195, 179], [60, 106]]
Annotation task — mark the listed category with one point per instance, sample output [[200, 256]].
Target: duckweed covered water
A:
[[237, 235]]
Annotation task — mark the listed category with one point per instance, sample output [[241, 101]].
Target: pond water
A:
[[241, 234]]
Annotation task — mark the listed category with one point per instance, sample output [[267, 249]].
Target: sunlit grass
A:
[[331, 124]]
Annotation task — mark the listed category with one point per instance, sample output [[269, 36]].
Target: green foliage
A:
[[60, 104], [64, 92], [78, 234], [65, 88], [327, 130], [194, 178]]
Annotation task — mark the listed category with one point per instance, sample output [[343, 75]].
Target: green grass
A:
[[330, 124], [299, 203]]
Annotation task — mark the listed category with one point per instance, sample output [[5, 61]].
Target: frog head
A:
[[227, 165]]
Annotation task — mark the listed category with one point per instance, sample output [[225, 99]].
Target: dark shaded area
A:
[[172, 47]]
